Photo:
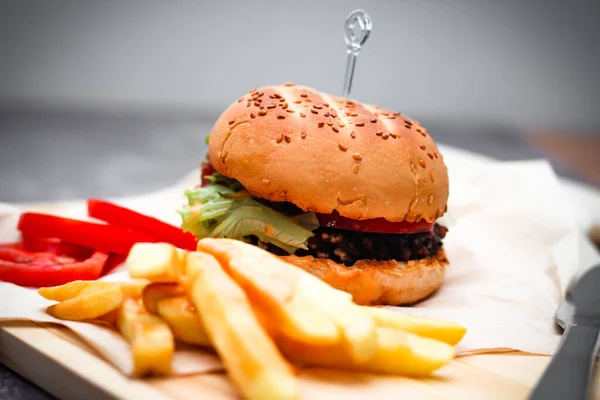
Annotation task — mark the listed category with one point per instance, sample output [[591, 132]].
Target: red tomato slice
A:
[[376, 225], [102, 237], [24, 268], [123, 217]]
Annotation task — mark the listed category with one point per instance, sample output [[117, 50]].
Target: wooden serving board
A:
[[55, 359]]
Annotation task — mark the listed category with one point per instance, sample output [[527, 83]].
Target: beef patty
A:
[[346, 247]]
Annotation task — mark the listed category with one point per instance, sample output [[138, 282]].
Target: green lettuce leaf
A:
[[220, 211]]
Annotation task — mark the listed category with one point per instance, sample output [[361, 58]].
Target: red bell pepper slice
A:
[[102, 237], [120, 216], [37, 269]]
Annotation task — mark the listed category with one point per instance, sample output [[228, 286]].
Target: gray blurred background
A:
[[115, 97]]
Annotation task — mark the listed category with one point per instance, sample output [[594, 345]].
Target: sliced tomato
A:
[[47, 269], [123, 217], [375, 225], [102, 237]]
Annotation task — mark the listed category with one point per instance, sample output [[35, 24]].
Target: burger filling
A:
[[221, 207]]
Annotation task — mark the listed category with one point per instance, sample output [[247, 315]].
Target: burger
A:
[[349, 192]]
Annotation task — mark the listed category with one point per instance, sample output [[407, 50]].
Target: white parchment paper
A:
[[513, 245]]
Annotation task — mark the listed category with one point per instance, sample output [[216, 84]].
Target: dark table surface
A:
[[52, 156]]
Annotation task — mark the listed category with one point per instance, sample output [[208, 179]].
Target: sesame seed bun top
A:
[[292, 143]]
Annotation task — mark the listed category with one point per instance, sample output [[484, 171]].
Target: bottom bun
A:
[[373, 282]]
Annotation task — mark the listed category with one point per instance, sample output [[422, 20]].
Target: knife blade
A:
[[569, 373]]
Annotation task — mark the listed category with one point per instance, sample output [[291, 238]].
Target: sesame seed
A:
[[352, 114], [412, 167], [342, 147], [272, 96], [356, 168], [391, 117], [393, 135], [287, 138], [413, 205], [397, 114], [302, 115], [271, 105], [423, 134], [252, 115], [353, 134], [432, 176], [297, 101], [326, 113], [430, 200], [308, 101], [336, 130], [303, 134], [435, 154], [261, 107], [422, 147], [373, 119], [317, 106], [407, 122], [303, 95], [379, 133], [333, 113], [385, 135], [262, 113], [430, 155], [265, 181], [240, 100], [282, 99], [342, 125], [279, 138], [276, 96], [408, 126], [321, 124], [284, 105], [290, 110], [248, 105], [254, 90], [232, 122], [330, 122], [256, 103], [357, 156], [422, 163], [260, 94], [281, 117], [360, 124], [314, 111], [289, 84]]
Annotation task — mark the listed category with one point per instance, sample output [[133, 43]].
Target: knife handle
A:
[[570, 371]]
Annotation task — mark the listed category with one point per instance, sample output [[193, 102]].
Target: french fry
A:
[[75, 289], [155, 292], [252, 360], [397, 352], [157, 262], [303, 307], [183, 320], [152, 343], [88, 306], [275, 291], [448, 332]]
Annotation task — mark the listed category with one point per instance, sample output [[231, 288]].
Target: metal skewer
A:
[[357, 29]]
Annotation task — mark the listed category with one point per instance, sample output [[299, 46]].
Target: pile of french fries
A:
[[260, 314]]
